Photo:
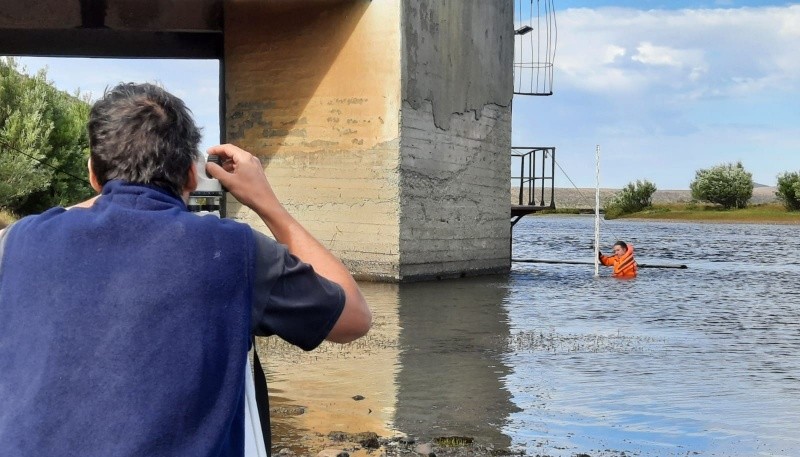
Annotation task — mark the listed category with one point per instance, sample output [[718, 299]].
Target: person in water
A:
[[623, 262]]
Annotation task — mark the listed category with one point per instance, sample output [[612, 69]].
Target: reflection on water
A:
[[451, 380], [552, 361], [431, 366]]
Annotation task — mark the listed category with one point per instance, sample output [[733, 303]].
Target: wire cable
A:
[[583, 197], [9, 146]]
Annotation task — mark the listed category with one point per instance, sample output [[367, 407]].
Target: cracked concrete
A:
[[384, 127], [454, 198], [457, 55], [455, 138]]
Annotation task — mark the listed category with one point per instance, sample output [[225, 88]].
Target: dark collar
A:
[[140, 196]]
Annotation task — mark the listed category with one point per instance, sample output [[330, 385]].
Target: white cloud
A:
[[650, 54], [668, 91], [612, 53], [704, 52], [698, 72]]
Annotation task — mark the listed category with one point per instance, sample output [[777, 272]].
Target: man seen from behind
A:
[[125, 321]]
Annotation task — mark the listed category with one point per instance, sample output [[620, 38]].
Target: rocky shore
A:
[[342, 444]]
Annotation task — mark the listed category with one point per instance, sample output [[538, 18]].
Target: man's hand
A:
[[243, 176]]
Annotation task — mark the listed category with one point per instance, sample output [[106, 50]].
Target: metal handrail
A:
[[531, 158]]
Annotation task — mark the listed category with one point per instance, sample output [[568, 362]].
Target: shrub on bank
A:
[[634, 197], [728, 185], [789, 190]]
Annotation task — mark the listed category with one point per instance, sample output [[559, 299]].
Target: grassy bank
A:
[[767, 213], [6, 219]]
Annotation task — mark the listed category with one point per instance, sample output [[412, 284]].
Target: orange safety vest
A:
[[624, 267]]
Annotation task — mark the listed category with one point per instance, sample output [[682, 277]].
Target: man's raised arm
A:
[[243, 176]]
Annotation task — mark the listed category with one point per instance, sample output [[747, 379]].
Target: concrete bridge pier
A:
[[384, 126]]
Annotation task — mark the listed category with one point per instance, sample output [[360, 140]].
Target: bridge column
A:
[[455, 137], [313, 88], [384, 126]]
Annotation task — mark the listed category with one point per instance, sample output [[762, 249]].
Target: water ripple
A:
[[701, 360]]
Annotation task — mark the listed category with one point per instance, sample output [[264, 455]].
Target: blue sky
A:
[[665, 4], [195, 81], [664, 87]]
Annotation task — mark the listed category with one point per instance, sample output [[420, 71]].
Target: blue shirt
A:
[[124, 327]]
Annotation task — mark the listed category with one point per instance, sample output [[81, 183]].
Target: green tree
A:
[[43, 142], [728, 185], [634, 197], [789, 190]]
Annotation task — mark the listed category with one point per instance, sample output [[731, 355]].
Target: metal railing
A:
[[529, 160]]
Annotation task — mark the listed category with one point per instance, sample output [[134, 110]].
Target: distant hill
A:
[[584, 198]]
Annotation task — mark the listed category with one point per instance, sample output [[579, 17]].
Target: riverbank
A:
[[366, 444], [688, 212], [583, 199]]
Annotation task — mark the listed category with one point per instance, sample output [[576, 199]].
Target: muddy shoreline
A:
[[342, 444]]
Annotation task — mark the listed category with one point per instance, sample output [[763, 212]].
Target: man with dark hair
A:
[[125, 321], [623, 262], [141, 133]]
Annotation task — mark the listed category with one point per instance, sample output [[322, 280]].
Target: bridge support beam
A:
[[384, 126]]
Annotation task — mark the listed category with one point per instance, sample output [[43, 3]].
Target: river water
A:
[[550, 360]]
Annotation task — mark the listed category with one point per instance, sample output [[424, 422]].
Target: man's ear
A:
[[191, 180], [93, 178]]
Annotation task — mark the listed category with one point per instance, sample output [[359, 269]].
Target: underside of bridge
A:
[[383, 125]]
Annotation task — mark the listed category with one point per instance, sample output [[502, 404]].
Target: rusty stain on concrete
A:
[[403, 170]]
